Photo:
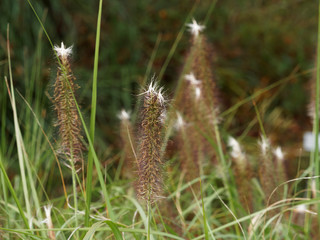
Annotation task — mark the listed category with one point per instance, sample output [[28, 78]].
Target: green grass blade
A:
[[93, 118], [115, 230], [92, 230], [18, 133], [206, 231], [9, 186], [176, 42], [316, 120]]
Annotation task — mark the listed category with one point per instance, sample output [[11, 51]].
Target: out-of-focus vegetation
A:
[[256, 43]]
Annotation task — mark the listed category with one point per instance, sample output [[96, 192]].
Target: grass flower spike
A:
[[68, 122], [243, 174], [149, 154], [128, 143]]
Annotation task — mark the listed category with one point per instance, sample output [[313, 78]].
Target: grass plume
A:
[[150, 164], [69, 123], [128, 142], [242, 173]]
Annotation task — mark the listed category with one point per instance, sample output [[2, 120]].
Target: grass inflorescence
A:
[[150, 163], [68, 120]]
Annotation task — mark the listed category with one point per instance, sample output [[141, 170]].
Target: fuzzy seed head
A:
[[195, 28], [180, 123], [149, 156], [235, 146], [68, 119], [192, 79], [301, 208], [279, 154], [197, 92], [264, 145], [124, 115]]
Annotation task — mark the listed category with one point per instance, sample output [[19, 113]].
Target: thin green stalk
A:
[[176, 42], [93, 117], [261, 91], [149, 221], [18, 134], [227, 183], [74, 186], [8, 183], [35, 13], [3, 118], [25, 168], [51, 147], [259, 119], [316, 121], [161, 218], [211, 8], [206, 231], [104, 229], [97, 164], [4, 192]]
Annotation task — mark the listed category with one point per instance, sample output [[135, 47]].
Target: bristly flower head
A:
[[180, 123], [195, 28], [63, 52], [195, 83], [235, 146], [197, 91], [124, 115], [69, 123], [278, 153], [264, 144], [149, 154]]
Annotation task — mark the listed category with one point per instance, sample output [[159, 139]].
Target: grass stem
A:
[[93, 117]]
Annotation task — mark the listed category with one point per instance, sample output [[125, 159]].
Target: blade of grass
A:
[[176, 42], [104, 229], [9, 186], [51, 147], [93, 117], [259, 119], [142, 214], [211, 8], [316, 120], [293, 75], [115, 230], [206, 231], [22, 154], [17, 133]]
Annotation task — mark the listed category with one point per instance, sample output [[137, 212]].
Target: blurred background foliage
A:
[[256, 43]]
